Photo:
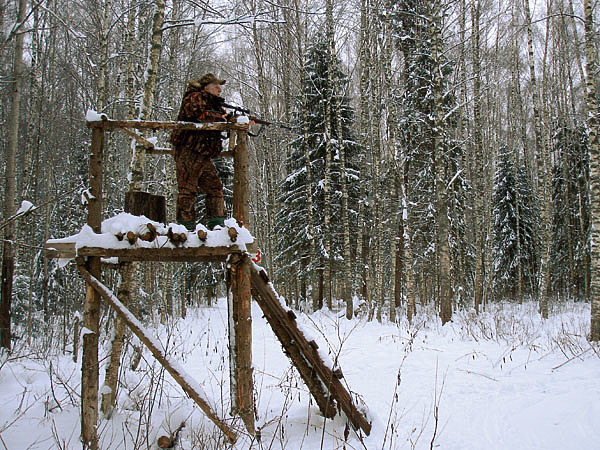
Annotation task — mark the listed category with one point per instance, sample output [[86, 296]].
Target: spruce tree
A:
[[292, 218], [514, 229], [570, 257]]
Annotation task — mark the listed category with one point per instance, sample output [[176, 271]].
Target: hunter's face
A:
[[214, 89]]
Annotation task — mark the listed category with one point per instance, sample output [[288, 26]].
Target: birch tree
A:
[[594, 144], [478, 171], [544, 170], [128, 270]]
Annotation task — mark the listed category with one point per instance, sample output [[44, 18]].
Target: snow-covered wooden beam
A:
[[107, 124], [165, 254], [188, 384]]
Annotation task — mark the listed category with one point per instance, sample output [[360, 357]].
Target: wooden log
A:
[[241, 340], [159, 151], [140, 139], [165, 442], [176, 238], [94, 219], [241, 183], [64, 250], [164, 254], [131, 237], [268, 301], [151, 125], [169, 152], [178, 374], [149, 235], [240, 336], [154, 207], [91, 306], [233, 234], [181, 254], [231, 147]]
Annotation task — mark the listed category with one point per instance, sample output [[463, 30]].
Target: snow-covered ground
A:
[[501, 380]]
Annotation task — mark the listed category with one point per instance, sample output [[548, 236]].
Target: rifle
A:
[[246, 112]]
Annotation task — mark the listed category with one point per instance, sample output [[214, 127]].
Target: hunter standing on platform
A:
[[193, 150]]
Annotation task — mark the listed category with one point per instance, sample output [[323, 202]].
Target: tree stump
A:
[[139, 203]]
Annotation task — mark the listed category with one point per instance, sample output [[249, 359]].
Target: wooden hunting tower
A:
[[246, 280]]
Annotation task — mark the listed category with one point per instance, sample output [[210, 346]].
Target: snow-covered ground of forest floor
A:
[[505, 379]]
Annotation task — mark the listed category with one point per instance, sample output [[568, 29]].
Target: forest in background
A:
[[441, 152]]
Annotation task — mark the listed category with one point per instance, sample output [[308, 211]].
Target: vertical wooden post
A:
[[240, 332], [91, 309]]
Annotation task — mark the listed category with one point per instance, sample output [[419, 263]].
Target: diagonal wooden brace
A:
[[178, 374]]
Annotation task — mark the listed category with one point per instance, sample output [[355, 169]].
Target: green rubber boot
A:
[[215, 221]]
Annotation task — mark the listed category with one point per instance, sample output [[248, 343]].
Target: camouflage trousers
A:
[[196, 173]]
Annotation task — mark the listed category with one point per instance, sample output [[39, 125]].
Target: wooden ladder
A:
[[323, 382]]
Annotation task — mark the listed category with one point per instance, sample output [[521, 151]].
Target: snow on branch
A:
[[242, 20]]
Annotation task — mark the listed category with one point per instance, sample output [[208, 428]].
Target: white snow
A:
[[243, 119], [505, 379], [124, 222], [93, 116], [85, 196], [25, 207]]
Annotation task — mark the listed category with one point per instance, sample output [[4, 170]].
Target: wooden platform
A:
[[164, 254]]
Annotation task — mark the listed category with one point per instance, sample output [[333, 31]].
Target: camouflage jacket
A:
[[199, 106]]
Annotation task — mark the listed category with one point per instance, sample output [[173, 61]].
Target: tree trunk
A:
[[440, 171], [411, 307], [10, 194], [127, 286], [362, 245], [101, 82], [518, 118], [594, 144], [544, 172], [478, 163], [346, 272], [111, 376], [329, 115]]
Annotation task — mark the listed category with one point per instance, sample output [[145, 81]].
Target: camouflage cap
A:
[[209, 78]]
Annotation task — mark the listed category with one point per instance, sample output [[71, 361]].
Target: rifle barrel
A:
[[254, 118]]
